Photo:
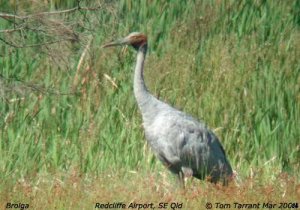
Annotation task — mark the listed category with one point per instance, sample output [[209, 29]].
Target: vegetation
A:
[[71, 133]]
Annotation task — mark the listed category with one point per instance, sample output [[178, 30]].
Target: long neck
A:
[[140, 90]]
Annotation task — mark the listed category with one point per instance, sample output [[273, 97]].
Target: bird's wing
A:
[[179, 140], [195, 145]]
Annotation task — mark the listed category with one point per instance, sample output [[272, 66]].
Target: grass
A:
[[83, 191], [235, 65]]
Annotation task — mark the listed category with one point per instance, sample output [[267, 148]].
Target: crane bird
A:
[[183, 144]]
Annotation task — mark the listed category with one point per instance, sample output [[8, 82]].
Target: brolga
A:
[[183, 144]]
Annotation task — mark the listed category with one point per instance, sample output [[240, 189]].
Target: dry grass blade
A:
[[80, 63]]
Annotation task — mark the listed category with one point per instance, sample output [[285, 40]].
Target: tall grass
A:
[[233, 64]]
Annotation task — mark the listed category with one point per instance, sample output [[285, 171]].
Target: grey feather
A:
[[183, 144]]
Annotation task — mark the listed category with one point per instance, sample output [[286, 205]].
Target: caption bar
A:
[[265, 205], [133, 205]]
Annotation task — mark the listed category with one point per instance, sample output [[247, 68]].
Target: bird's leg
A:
[[184, 173], [181, 179], [188, 172]]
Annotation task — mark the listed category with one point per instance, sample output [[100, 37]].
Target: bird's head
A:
[[135, 39]]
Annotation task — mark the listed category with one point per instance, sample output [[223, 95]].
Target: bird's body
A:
[[183, 144]]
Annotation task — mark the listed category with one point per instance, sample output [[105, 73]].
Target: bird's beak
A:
[[115, 43]]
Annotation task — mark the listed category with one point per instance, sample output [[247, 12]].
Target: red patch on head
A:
[[138, 40]]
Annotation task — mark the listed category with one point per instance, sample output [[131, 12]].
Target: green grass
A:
[[233, 64]]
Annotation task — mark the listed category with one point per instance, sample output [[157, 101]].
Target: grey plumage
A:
[[183, 144]]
